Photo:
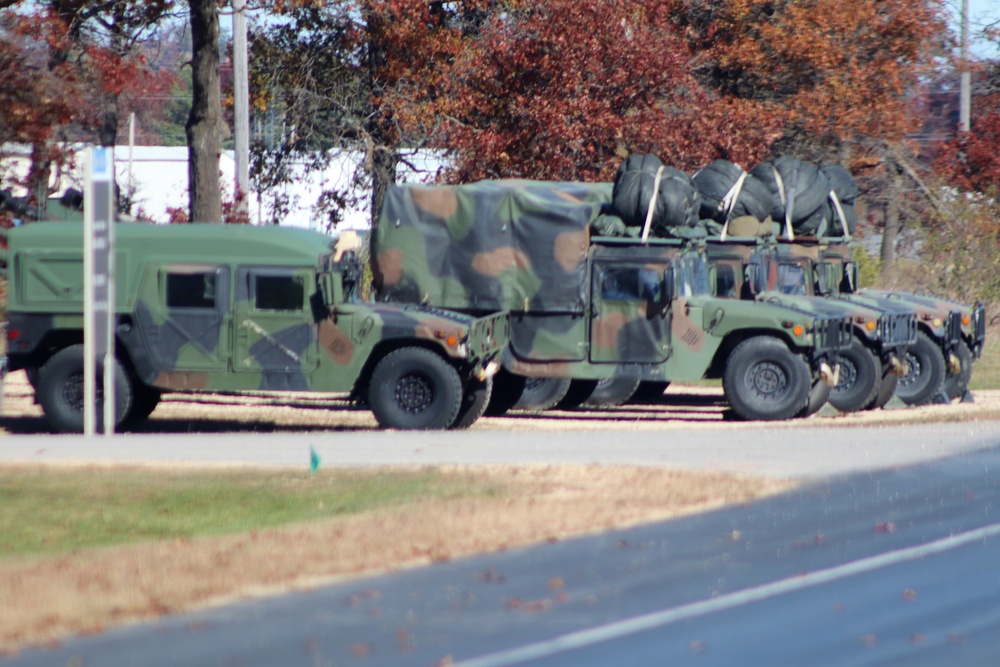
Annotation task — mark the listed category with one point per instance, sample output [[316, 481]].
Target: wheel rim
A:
[[414, 393], [767, 379], [910, 379], [72, 392], [848, 375]]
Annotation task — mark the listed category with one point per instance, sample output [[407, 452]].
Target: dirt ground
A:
[[681, 407], [46, 598]]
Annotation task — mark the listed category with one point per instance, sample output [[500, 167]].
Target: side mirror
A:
[[669, 284], [751, 278], [850, 283]]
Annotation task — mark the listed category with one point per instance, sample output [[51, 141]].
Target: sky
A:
[[980, 12]]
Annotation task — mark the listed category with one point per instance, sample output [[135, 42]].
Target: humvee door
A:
[[630, 311], [183, 314], [273, 325]]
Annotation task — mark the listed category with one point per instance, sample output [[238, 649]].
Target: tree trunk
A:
[[384, 161], [203, 135], [891, 224]]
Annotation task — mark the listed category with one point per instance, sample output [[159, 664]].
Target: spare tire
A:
[[716, 179], [842, 182], [633, 188], [850, 217], [677, 202], [817, 224], [805, 186], [764, 173]]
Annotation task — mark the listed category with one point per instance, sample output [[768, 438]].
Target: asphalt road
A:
[[782, 452], [895, 566]]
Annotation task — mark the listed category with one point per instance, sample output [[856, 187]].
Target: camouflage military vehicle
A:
[[951, 335], [237, 308], [763, 268], [595, 309]]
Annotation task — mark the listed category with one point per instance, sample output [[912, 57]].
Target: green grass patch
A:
[[986, 370], [52, 511]]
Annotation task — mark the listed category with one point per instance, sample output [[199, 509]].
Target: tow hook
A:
[[830, 376], [899, 366], [954, 364], [488, 372]]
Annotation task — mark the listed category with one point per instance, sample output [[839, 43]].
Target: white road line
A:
[[575, 640]]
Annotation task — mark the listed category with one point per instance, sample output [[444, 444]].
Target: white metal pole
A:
[[241, 101], [965, 81], [89, 362]]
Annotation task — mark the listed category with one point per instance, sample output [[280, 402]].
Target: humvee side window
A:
[[624, 283], [191, 290], [725, 280], [278, 292]]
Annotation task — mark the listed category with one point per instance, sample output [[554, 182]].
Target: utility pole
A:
[[241, 103], [965, 84]]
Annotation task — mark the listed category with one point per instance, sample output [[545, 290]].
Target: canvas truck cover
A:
[[513, 245]]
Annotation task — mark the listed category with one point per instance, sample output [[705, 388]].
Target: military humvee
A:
[[596, 309], [951, 334], [233, 308], [764, 268]]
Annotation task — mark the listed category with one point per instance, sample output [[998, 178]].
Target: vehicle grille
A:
[[492, 332], [898, 330], [832, 333], [953, 328]]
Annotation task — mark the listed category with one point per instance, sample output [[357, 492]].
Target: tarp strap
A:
[[789, 202], [840, 214], [728, 202], [652, 204]]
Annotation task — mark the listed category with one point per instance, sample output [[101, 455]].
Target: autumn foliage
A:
[[565, 89], [840, 71], [971, 160]]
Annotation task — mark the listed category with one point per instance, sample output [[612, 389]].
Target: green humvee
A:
[[951, 334], [764, 268], [234, 308], [596, 309]]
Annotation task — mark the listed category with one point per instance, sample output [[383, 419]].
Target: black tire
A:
[[60, 392], [649, 391], [886, 389], [955, 384], [764, 380], [811, 187], [842, 182], [613, 391], [144, 401], [925, 377], [33, 374], [475, 398], [715, 180], [507, 390], [818, 397], [414, 388], [577, 394], [542, 393], [860, 377]]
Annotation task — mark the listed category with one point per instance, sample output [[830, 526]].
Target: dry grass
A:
[[49, 597]]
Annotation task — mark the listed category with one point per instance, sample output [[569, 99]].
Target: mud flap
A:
[[3, 374]]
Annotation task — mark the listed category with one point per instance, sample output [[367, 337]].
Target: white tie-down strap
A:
[[840, 214], [729, 202], [652, 204], [787, 201]]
